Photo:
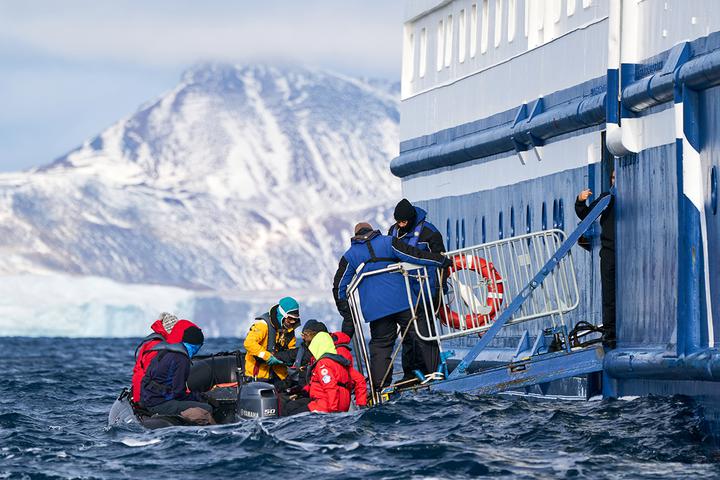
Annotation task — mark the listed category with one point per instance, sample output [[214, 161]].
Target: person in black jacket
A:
[[164, 387], [413, 228], [607, 256]]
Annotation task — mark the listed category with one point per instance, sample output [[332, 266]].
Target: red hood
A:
[[176, 334], [157, 327], [340, 337]]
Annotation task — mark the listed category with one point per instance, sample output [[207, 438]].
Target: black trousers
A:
[[607, 280], [175, 407], [425, 355], [293, 407], [384, 333]]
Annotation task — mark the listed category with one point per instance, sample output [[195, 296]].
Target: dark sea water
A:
[[55, 395]]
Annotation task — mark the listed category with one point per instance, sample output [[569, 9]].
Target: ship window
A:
[[713, 190], [484, 231], [543, 216], [409, 56], [500, 226], [556, 10], [448, 40], [457, 234], [462, 37], [528, 219], [571, 4], [587, 3], [498, 22], [561, 214], [448, 233], [423, 52], [473, 30], [485, 31], [512, 221], [462, 233], [440, 44], [511, 19], [555, 214]]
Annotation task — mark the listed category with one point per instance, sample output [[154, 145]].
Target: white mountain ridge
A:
[[242, 178]]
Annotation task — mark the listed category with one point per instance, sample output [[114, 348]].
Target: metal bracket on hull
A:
[[526, 143], [536, 281]]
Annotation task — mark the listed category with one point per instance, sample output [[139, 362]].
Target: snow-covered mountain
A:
[[241, 178]]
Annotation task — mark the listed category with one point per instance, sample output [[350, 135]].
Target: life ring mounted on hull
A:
[[489, 309]]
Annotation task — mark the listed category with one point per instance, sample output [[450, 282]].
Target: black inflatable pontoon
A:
[[216, 376]]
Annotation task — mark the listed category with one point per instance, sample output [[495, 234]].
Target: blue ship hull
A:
[[668, 229]]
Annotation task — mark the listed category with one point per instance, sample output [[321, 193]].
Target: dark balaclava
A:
[[313, 325], [194, 336], [404, 211]]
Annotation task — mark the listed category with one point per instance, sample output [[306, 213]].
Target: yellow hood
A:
[[322, 344]]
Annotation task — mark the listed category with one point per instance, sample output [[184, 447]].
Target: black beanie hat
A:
[[193, 336], [404, 211], [313, 325]]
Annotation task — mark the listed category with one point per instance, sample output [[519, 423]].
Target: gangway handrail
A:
[[525, 293]]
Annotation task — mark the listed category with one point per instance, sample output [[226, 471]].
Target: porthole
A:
[[457, 234], [484, 231], [500, 226], [448, 232], [713, 190], [543, 216], [555, 214], [528, 220], [462, 233], [512, 221]]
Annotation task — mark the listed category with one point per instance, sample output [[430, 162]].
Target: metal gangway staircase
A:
[[488, 288]]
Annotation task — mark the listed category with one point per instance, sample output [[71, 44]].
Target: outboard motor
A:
[[257, 400]]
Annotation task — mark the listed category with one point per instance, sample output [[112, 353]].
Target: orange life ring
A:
[[495, 291]]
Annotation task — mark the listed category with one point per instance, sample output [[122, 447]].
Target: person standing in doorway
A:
[[607, 256]]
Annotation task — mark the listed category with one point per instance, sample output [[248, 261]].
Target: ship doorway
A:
[[607, 166]]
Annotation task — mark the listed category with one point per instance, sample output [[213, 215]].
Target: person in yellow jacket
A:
[[270, 344]]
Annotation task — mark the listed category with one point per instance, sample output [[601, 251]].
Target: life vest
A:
[[163, 348], [415, 238], [149, 338], [143, 357]]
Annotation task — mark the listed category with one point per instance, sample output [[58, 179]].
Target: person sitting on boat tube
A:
[[164, 387], [305, 359], [270, 344], [412, 227], [383, 299], [144, 353], [331, 380]]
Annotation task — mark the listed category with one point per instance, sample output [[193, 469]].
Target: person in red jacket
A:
[[330, 382], [144, 354], [342, 346]]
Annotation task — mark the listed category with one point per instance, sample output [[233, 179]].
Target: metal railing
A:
[[483, 281]]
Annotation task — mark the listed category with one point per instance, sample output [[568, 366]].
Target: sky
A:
[[71, 68]]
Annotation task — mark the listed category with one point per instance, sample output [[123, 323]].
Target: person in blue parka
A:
[[412, 227], [383, 299]]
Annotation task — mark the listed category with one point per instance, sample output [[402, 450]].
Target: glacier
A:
[[241, 183], [83, 306]]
